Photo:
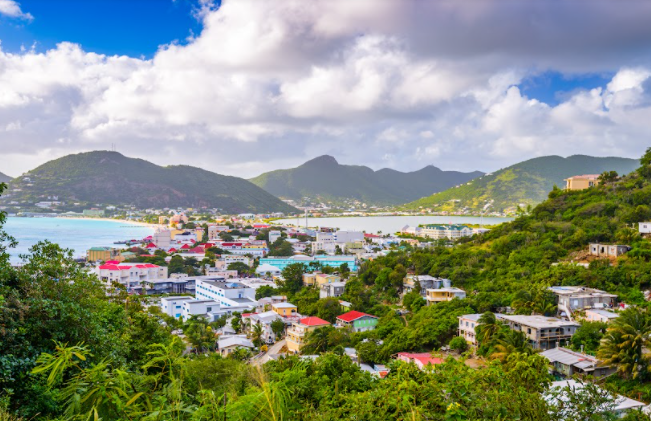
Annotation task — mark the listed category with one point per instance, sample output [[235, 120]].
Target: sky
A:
[[241, 87]]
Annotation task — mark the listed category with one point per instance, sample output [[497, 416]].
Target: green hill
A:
[[525, 183], [325, 178], [104, 177], [4, 178]]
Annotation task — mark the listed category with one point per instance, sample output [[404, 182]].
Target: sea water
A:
[[76, 234]]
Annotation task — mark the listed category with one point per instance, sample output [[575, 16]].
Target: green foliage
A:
[[292, 277], [458, 344], [527, 182], [325, 178], [588, 336], [111, 178], [625, 342]]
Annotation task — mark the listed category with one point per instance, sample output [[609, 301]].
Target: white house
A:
[[228, 293], [645, 227], [274, 236], [232, 343], [265, 319]]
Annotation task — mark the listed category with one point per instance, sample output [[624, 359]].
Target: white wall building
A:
[[228, 293], [348, 237], [273, 236], [162, 239], [173, 306], [324, 241], [130, 274]]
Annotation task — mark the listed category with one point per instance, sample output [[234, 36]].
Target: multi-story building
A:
[[172, 285], [342, 237], [467, 324], [130, 274], [297, 333], [357, 321], [230, 258], [228, 293], [214, 230], [333, 289], [572, 298], [274, 236], [103, 254], [434, 296], [199, 308], [541, 331], [162, 238], [443, 231], [265, 319], [265, 303], [324, 241], [331, 261], [426, 282], [318, 279], [173, 306], [581, 182]]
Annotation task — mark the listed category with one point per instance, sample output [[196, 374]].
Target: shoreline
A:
[[124, 221]]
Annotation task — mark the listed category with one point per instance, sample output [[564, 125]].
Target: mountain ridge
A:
[[324, 177], [111, 178], [527, 183]]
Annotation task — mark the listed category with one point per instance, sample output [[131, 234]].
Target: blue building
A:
[[333, 261]]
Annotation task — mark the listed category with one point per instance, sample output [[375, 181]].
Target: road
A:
[[273, 349]]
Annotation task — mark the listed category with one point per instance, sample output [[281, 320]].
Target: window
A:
[[529, 331]]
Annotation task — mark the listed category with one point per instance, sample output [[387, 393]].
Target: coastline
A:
[[124, 221]]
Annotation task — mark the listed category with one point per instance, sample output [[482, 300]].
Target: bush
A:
[[458, 344]]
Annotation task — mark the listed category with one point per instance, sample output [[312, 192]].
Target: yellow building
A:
[[309, 279], [299, 330], [284, 309], [581, 182], [434, 296], [318, 279], [104, 254]]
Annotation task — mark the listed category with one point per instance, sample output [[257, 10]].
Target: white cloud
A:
[[401, 83], [12, 9]]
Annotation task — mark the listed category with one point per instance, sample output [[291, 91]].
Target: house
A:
[[598, 315], [567, 363], [265, 320], [199, 308], [426, 282], [230, 344], [434, 296], [358, 321], [449, 231], [572, 298], [422, 359], [284, 309], [334, 289], [173, 306], [541, 331], [266, 268], [299, 330], [274, 236], [581, 182], [621, 406], [320, 279], [345, 305], [608, 250], [467, 325], [103, 254], [645, 227], [265, 303]]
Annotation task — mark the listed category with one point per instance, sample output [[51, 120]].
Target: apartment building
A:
[[297, 333], [541, 331], [324, 241], [274, 236], [228, 293], [129, 274], [446, 231], [173, 306], [572, 298], [333, 289], [103, 254]]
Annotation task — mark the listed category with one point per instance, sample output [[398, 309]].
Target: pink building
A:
[[421, 359]]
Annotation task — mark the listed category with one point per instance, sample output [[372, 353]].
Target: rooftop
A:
[[353, 315], [283, 305], [580, 291], [313, 321], [539, 322]]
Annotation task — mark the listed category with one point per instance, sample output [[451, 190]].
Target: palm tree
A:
[[487, 328], [256, 334], [317, 340], [510, 342], [624, 343]]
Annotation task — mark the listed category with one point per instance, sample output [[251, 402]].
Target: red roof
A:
[[112, 262], [151, 246], [185, 247], [172, 250], [353, 315], [313, 321], [141, 266], [151, 265], [109, 267], [371, 236], [197, 250], [194, 241], [423, 357], [232, 244], [124, 267]]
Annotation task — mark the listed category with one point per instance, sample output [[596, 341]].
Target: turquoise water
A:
[[76, 234], [389, 224]]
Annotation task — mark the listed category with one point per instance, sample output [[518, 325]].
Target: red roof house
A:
[[358, 321], [313, 321], [422, 359]]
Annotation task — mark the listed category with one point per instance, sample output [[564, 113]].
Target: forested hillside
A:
[[325, 178], [522, 184], [110, 178], [115, 360]]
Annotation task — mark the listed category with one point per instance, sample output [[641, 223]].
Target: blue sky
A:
[[256, 85], [124, 27]]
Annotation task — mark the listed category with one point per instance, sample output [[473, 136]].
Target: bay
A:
[[388, 224], [76, 234]]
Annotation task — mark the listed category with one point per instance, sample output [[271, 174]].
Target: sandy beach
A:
[[124, 221]]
